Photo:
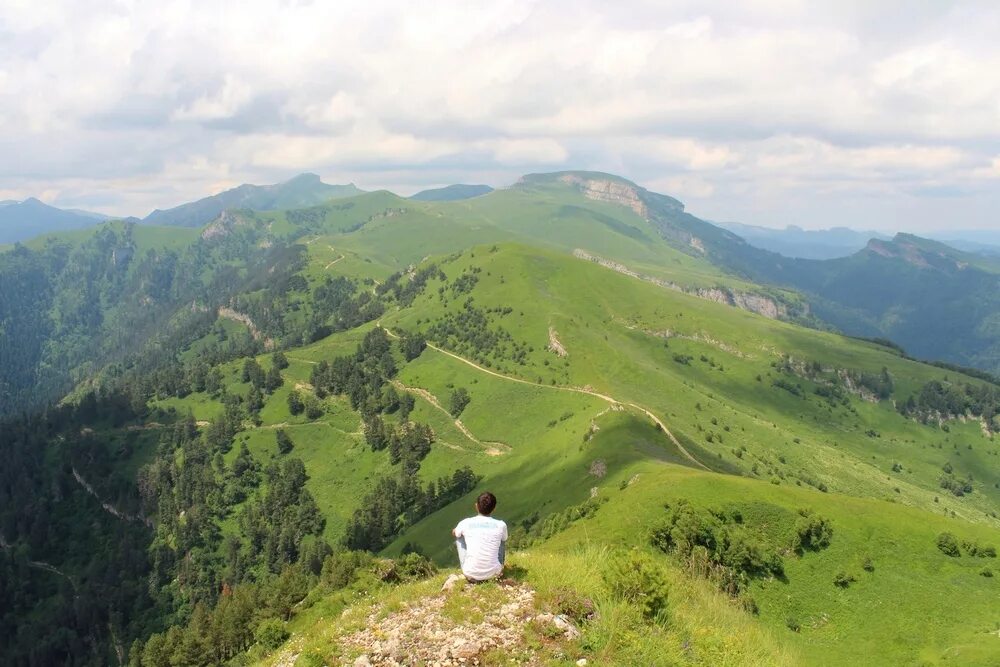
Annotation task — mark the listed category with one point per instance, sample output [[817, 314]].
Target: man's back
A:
[[484, 537]]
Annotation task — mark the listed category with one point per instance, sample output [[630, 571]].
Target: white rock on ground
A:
[[421, 634]]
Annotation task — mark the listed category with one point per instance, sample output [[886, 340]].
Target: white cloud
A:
[[222, 103], [527, 151], [991, 171], [750, 109]]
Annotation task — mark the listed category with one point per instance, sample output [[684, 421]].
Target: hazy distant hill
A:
[[794, 241], [989, 237], [977, 248], [452, 192], [300, 192], [979, 241], [100, 217], [20, 221]]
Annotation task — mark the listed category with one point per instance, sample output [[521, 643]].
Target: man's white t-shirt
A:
[[483, 536]]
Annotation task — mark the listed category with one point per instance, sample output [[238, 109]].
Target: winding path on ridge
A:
[[577, 390], [492, 447], [334, 261]]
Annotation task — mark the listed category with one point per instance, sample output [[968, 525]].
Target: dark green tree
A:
[[283, 441], [253, 373], [295, 403], [412, 345], [459, 401], [273, 379]]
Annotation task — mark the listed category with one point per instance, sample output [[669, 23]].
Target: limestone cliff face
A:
[[753, 302], [609, 190], [639, 200], [899, 250], [222, 225]]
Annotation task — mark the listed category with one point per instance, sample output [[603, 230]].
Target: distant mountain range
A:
[[937, 299], [20, 221], [981, 241], [452, 192], [794, 241], [300, 192]]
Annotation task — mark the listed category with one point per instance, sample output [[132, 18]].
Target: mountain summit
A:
[[455, 192], [20, 221], [299, 192]]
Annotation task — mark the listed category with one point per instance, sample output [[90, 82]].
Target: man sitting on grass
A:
[[481, 541]]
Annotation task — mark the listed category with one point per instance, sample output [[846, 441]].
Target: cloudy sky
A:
[[869, 114]]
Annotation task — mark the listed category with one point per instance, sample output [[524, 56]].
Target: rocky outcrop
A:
[[609, 190], [753, 302], [244, 319], [555, 345], [700, 337], [223, 225], [899, 250], [420, 634], [387, 213], [108, 507]]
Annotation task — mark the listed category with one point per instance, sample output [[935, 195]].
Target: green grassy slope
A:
[[916, 606], [908, 603]]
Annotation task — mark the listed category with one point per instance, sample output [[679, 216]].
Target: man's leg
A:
[[453, 579]]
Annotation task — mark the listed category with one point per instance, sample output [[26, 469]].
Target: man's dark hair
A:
[[485, 503]]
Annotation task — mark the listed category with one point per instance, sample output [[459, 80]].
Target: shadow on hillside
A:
[[710, 460], [514, 572]]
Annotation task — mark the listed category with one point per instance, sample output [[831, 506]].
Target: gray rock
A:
[[452, 581]]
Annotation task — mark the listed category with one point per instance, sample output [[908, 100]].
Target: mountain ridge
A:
[[24, 220], [455, 192], [301, 191], [795, 242]]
